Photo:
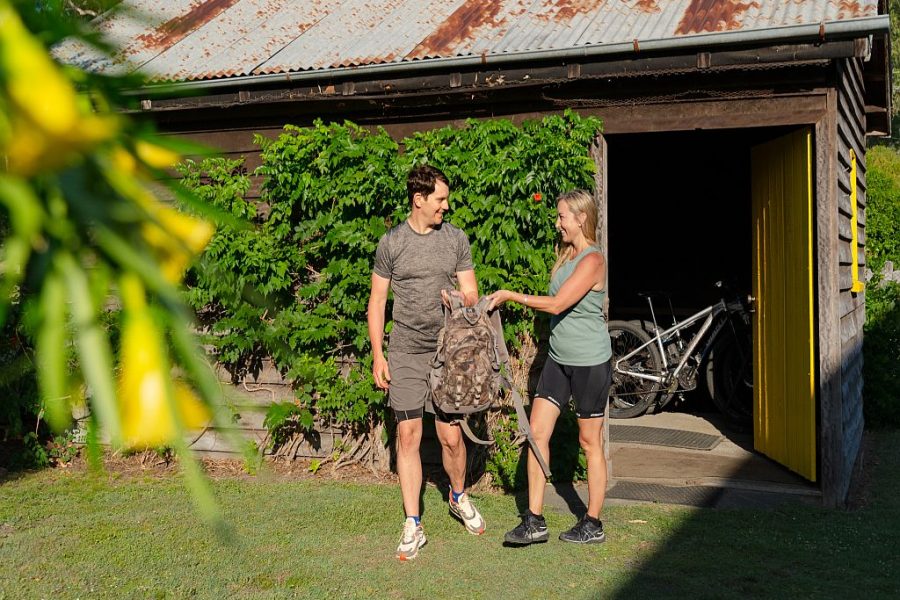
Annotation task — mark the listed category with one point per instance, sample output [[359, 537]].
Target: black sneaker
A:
[[532, 530], [586, 531]]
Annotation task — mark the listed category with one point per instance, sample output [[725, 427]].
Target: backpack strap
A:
[[525, 426], [466, 430], [518, 402]]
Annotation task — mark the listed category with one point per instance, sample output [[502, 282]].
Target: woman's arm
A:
[[590, 271]]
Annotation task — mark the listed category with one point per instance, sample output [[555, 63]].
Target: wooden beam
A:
[[828, 307], [599, 153], [713, 114]]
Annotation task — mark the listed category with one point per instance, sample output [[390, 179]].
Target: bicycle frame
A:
[[710, 313]]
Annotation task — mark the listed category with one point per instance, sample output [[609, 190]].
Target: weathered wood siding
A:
[[850, 135], [250, 397]]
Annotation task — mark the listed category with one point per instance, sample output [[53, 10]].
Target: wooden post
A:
[[598, 152], [829, 320]]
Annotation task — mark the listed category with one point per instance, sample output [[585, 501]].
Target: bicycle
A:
[[650, 368]]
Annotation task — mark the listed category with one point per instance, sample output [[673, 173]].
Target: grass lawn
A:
[[70, 535]]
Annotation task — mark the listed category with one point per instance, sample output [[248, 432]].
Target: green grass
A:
[[69, 535]]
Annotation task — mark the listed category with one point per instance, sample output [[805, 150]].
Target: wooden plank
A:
[[851, 389], [851, 326], [844, 232], [853, 447], [844, 254], [853, 84], [851, 343], [854, 79], [267, 373], [850, 121], [317, 445], [848, 141], [828, 307], [255, 395], [851, 377], [844, 182], [850, 302], [853, 435], [234, 140], [712, 114], [849, 116], [850, 129], [599, 152], [215, 441], [845, 277], [851, 132], [860, 213]]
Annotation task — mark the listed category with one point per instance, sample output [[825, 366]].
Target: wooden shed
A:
[[734, 141]]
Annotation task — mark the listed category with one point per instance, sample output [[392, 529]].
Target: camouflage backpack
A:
[[469, 368]]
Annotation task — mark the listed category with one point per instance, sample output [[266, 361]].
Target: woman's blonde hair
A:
[[580, 203]]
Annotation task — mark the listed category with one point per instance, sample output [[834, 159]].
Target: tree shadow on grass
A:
[[786, 550]]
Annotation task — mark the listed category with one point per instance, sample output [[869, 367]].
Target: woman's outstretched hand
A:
[[498, 298]]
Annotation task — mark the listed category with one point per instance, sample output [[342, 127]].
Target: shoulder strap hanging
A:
[[518, 402]]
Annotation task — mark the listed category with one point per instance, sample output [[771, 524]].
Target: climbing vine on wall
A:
[[293, 285]]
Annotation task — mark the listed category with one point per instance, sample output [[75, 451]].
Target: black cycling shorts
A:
[[588, 387]]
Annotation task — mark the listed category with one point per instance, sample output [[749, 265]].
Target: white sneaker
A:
[[466, 512], [412, 539]]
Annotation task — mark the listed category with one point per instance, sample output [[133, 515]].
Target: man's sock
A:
[[456, 495], [415, 518]]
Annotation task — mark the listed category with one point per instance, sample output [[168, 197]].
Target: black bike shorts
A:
[[588, 387]]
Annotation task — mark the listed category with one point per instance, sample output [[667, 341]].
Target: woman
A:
[[578, 366]]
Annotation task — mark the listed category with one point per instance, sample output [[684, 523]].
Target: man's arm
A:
[[375, 315], [468, 285]]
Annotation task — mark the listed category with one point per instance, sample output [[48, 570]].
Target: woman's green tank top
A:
[[578, 336]]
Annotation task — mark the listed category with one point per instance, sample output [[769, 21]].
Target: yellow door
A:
[[783, 346]]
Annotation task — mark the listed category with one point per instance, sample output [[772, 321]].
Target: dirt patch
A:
[[154, 464]]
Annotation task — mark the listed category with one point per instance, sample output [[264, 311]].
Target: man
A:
[[417, 260]]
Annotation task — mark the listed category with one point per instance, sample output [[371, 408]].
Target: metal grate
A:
[[657, 436], [701, 496]]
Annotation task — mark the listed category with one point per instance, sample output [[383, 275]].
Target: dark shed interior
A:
[[679, 218]]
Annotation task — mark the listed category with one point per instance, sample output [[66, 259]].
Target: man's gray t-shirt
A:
[[419, 267]]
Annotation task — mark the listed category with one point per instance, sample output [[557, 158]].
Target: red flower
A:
[[537, 197]]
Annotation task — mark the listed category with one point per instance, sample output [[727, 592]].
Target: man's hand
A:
[[380, 372], [468, 286], [445, 297]]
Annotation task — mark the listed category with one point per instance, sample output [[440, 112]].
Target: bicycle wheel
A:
[[729, 377], [631, 396]]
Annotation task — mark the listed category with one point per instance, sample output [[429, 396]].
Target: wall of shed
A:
[[850, 135], [845, 127], [249, 396]]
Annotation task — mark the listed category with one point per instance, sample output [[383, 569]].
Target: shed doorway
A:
[[680, 217]]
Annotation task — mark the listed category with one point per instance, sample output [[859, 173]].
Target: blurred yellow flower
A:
[[47, 125], [148, 419], [176, 238], [123, 160], [156, 156]]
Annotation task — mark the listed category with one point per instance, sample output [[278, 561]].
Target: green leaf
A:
[[93, 346], [50, 352], [26, 218]]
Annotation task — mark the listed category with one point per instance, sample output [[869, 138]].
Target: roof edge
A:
[[825, 31]]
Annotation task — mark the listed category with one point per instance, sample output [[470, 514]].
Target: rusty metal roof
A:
[[185, 40]]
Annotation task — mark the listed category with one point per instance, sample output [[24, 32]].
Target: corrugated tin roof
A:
[[183, 40]]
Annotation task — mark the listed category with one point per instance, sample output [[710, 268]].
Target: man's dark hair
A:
[[422, 179]]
